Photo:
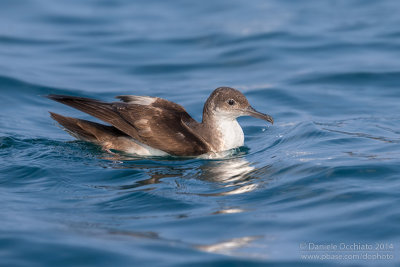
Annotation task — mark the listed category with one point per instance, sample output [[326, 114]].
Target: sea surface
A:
[[326, 174]]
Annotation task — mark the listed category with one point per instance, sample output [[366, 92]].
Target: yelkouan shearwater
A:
[[152, 126]]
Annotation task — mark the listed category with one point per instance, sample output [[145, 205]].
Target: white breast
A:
[[231, 133]]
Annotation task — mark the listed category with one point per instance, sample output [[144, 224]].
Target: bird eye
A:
[[231, 102]]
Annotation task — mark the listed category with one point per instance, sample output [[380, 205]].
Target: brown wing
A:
[[155, 122]]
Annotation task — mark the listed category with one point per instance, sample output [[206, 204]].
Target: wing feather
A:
[[153, 121]]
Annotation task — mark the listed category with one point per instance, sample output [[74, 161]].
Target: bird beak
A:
[[250, 111]]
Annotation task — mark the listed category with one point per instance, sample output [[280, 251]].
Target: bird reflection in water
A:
[[194, 178], [233, 176], [228, 176]]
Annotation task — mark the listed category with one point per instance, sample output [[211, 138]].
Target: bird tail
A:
[[87, 130]]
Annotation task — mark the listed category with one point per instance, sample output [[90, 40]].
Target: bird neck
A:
[[222, 131]]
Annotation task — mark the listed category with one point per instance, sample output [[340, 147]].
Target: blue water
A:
[[327, 171]]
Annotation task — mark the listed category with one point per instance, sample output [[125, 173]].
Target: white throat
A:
[[230, 132]]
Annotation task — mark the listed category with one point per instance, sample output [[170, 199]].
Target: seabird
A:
[[152, 126]]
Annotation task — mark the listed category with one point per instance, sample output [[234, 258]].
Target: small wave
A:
[[11, 87], [390, 79]]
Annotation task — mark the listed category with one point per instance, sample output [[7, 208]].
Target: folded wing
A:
[[153, 121]]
